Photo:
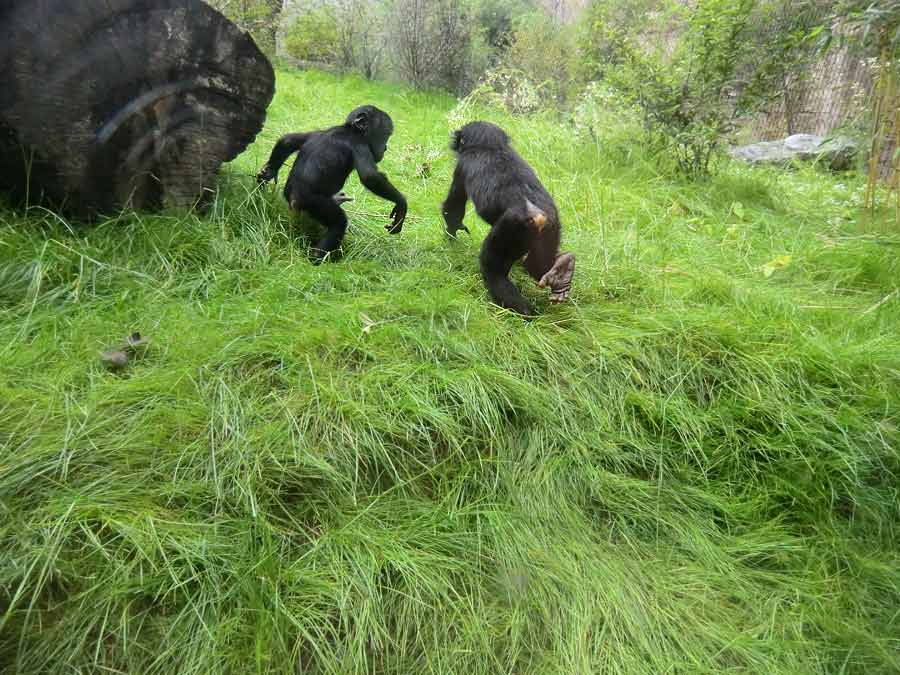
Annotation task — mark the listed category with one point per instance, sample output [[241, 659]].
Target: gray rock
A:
[[837, 153], [765, 152]]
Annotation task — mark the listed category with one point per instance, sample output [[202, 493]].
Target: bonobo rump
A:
[[523, 217], [324, 161]]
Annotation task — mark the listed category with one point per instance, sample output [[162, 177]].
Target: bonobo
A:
[[523, 217], [325, 159]]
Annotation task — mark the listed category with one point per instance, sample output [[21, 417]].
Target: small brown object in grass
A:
[[118, 358], [114, 359]]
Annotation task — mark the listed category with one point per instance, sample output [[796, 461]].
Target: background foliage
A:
[[697, 71]]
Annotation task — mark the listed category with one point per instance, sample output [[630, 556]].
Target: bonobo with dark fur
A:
[[523, 217], [324, 161]]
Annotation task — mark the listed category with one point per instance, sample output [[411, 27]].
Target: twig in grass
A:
[[840, 307], [878, 304], [105, 265], [410, 218]]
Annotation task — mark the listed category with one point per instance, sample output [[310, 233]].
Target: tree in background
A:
[[496, 19], [426, 43], [258, 17], [360, 26], [543, 49], [430, 42]]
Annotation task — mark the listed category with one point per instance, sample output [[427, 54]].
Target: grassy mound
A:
[[364, 467]]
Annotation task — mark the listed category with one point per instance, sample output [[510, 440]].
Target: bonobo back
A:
[[323, 162], [495, 174]]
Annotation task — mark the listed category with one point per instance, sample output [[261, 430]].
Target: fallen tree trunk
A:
[[106, 104]]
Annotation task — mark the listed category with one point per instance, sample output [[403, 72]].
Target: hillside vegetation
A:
[[364, 467]]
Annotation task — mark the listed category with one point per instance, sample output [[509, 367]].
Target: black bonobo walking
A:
[[324, 161], [523, 217]]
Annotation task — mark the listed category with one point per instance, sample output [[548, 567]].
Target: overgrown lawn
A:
[[364, 467]]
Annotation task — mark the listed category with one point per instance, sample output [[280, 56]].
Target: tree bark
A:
[[106, 104]]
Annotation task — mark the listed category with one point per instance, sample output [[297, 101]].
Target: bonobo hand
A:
[[266, 174], [453, 228], [398, 215], [453, 223]]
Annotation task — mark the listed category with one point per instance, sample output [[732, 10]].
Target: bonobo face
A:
[[379, 147], [478, 135], [379, 133], [375, 125]]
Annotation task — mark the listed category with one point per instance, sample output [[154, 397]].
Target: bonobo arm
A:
[[377, 183], [454, 207], [284, 148]]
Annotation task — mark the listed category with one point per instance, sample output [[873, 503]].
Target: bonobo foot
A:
[[342, 197], [559, 277], [317, 256]]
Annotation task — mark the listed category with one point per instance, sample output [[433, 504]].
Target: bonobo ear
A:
[[361, 122]]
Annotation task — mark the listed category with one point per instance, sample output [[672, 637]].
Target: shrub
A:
[[510, 90], [544, 49], [313, 36], [599, 106], [703, 69]]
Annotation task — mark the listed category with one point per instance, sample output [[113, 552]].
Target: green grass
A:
[[365, 467]]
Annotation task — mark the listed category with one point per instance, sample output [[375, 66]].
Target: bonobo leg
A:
[[454, 207], [504, 244], [550, 270], [328, 212], [537, 219], [542, 262]]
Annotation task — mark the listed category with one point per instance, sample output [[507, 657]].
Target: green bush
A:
[[544, 50], [507, 89], [497, 19], [313, 36], [695, 74]]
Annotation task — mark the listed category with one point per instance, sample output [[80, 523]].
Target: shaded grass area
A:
[[364, 467]]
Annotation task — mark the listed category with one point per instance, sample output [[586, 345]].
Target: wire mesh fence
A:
[[832, 95]]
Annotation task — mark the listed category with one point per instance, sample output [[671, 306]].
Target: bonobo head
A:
[[478, 135], [375, 126]]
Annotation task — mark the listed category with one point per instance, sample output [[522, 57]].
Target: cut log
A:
[[106, 104]]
